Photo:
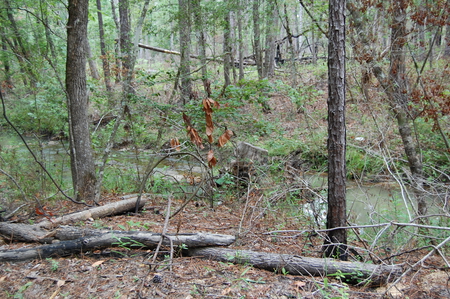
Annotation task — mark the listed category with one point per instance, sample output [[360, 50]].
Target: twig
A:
[[163, 234], [312, 18], [247, 199], [356, 226], [186, 202]]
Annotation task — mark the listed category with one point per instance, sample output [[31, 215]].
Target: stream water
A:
[[365, 201]]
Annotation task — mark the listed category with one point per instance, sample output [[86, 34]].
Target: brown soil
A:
[[122, 273]]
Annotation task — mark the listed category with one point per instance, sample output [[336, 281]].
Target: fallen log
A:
[[110, 209], [219, 60], [156, 49], [100, 240], [349, 272]]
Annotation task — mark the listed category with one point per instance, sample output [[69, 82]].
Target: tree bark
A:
[[257, 39], [125, 39], [270, 48], [185, 45], [92, 65], [227, 49], [290, 47], [353, 272], [97, 239], [118, 65], [239, 14], [198, 21], [105, 63], [82, 160], [335, 244]]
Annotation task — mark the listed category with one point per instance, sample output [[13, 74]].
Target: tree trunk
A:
[[98, 239], [105, 63], [354, 272], [335, 244], [82, 161], [92, 65], [399, 90], [118, 66], [185, 45], [257, 39], [270, 48], [227, 49], [291, 47], [126, 45], [198, 15], [240, 42], [395, 85]]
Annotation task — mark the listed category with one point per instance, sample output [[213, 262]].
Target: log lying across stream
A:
[[350, 272]]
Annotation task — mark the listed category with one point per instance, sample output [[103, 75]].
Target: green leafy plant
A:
[[330, 291], [19, 294], [54, 265], [126, 243]]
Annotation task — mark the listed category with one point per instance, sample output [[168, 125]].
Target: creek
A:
[[365, 201]]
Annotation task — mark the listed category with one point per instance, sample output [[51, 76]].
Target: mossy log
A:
[[349, 272]]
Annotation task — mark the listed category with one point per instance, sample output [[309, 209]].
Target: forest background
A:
[[263, 65]]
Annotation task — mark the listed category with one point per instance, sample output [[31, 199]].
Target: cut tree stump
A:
[[98, 239], [349, 272]]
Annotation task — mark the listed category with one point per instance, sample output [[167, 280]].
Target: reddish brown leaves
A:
[[208, 104], [175, 144], [44, 212], [212, 161], [225, 137], [192, 133]]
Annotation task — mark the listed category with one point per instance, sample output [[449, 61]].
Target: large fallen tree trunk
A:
[[100, 239], [350, 272]]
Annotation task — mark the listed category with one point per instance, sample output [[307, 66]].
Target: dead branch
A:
[[350, 272], [165, 51], [176, 53], [114, 208]]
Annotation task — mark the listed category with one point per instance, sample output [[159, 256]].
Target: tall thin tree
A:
[[105, 63], [335, 243], [185, 45]]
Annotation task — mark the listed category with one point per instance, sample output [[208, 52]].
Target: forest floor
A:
[[124, 273]]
